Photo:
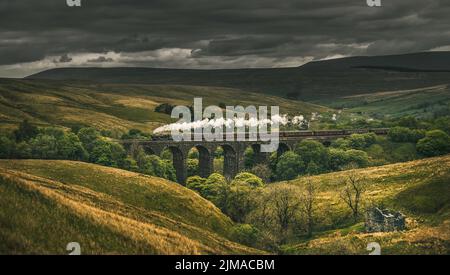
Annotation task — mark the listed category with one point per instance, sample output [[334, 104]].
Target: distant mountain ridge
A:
[[312, 81]]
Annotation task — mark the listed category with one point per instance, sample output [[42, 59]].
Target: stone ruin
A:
[[384, 220]]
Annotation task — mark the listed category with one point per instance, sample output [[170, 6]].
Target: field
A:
[[421, 103], [117, 107], [47, 204], [419, 189]]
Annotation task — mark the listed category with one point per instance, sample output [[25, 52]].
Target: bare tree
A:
[[352, 193], [308, 205], [284, 205]]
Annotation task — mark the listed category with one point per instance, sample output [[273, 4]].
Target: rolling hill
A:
[[44, 205], [313, 81], [419, 189], [117, 107], [427, 102]]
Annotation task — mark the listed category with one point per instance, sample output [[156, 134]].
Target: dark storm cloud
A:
[[216, 30]]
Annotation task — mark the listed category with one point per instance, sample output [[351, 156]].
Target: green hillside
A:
[[419, 189], [117, 107], [47, 204], [421, 102]]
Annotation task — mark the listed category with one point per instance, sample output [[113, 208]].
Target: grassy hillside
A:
[[422, 102], [46, 204], [114, 106], [419, 189], [313, 81]]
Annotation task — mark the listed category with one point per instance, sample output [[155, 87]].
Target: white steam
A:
[[228, 123]]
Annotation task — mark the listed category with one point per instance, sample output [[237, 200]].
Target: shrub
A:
[[192, 167], [357, 157], [339, 159], [262, 171], [313, 151], [361, 141], [249, 158], [248, 179], [7, 147], [196, 183], [402, 134], [435, 143], [88, 137], [26, 131], [289, 166], [245, 233], [44, 147]]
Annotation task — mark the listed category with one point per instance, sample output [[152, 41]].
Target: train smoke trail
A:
[[228, 123]]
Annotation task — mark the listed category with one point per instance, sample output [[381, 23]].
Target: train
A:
[[298, 134]]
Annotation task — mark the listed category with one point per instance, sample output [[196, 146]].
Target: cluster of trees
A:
[[428, 143], [270, 215], [30, 142], [48, 143], [312, 157]]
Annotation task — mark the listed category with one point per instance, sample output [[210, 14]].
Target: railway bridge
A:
[[233, 151]]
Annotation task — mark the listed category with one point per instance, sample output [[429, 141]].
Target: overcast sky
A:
[[41, 34]]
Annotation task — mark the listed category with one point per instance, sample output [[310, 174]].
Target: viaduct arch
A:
[[233, 150]]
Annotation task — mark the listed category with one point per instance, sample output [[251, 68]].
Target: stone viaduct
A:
[[233, 151]]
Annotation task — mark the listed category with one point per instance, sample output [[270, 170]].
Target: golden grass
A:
[[427, 233], [161, 232]]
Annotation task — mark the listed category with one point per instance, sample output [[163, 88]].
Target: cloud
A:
[[101, 59], [65, 59], [214, 34]]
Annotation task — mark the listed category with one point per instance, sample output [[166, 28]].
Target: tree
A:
[[249, 158], [88, 137], [352, 193], [70, 147], [286, 203], [7, 147], [245, 233], [262, 171], [208, 188], [216, 179], [108, 154], [403, 134], [196, 183], [44, 147], [313, 151], [289, 166], [308, 205], [239, 201], [192, 167], [435, 143], [26, 131], [358, 157], [248, 179], [313, 168], [443, 123], [341, 143], [409, 122], [277, 209]]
